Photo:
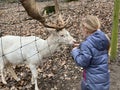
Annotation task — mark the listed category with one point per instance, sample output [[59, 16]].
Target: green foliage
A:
[[115, 29], [70, 0], [49, 9]]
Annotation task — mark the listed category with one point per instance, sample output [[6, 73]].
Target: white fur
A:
[[29, 50]]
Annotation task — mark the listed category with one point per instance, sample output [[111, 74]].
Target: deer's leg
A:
[[34, 75], [32, 80], [12, 72], [2, 71]]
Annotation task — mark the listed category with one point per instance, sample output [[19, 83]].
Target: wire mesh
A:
[[19, 28], [20, 45], [20, 33]]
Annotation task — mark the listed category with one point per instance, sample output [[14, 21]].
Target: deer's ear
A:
[[51, 30]]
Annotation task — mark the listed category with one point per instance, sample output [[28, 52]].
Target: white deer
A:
[[31, 50]]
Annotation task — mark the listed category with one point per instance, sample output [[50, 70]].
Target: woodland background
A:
[[59, 72]]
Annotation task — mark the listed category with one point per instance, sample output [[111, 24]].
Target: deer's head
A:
[[62, 36], [57, 29]]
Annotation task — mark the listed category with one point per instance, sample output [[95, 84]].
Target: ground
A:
[[58, 72]]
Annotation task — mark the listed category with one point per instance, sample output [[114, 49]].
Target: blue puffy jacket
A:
[[92, 55]]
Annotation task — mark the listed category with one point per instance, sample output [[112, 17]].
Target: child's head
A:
[[90, 24]]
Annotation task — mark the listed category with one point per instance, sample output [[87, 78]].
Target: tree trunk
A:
[[115, 29]]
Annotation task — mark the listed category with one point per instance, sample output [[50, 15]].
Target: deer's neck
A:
[[50, 46], [53, 43]]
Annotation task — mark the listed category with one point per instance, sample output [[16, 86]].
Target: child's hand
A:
[[74, 48], [75, 45]]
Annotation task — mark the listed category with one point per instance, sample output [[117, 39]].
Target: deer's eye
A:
[[62, 35]]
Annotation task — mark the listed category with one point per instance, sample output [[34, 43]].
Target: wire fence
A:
[[16, 25], [23, 45]]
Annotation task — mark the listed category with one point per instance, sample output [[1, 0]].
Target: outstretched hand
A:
[[75, 45]]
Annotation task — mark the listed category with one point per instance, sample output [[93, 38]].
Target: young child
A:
[[92, 55]]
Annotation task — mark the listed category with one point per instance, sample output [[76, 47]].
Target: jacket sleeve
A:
[[82, 56]]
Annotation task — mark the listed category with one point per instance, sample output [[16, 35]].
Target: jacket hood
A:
[[99, 40]]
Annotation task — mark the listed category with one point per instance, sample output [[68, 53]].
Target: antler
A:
[[31, 6]]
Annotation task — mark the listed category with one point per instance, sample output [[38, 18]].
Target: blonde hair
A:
[[91, 23]]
